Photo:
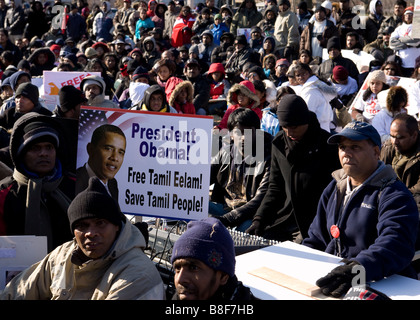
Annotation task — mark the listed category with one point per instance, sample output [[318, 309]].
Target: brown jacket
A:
[[305, 38]]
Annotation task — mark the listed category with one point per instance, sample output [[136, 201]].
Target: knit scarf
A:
[[37, 217]]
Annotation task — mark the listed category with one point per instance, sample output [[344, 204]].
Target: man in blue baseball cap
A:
[[365, 215]]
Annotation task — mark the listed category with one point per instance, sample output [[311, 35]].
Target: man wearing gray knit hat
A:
[[204, 262]]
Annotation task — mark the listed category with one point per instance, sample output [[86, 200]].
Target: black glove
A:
[[336, 103], [223, 219], [338, 281], [256, 228]]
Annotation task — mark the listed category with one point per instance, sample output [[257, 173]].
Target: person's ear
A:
[[224, 278]]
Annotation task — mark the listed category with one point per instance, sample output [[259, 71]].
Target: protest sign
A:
[[166, 167], [53, 81], [361, 59]]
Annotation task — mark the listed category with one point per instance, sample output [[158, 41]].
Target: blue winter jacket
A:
[[378, 225]]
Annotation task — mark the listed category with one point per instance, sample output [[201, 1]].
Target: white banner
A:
[[166, 167]]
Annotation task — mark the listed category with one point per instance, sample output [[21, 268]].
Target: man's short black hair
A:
[[100, 131], [244, 117], [410, 122]]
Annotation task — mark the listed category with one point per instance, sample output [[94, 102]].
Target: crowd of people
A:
[[340, 140]]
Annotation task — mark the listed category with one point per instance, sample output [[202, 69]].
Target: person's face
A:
[[283, 7], [40, 158], [255, 35], [82, 60], [185, 12], [92, 91], [408, 18], [192, 71], [359, 159], [390, 70], [100, 50], [194, 280], [3, 37], [296, 133], [334, 53], [267, 45], [120, 47], [110, 62], [252, 76], [386, 38], [248, 4], [210, 3], [217, 21], [243, 100], [304, 58], [7, 92], [239, 133], [106, 158], [344, 5], [182, 96], [320, 15], [281, 69], [401, 138], [270, 64], [96, 67], [206, 39], [22, 79], [95, 236], [216, 76], [156, 102], [350, 42], [164, 73], [301, 76], [23, 104], [379, 8], [152, 6], [376, 86], [398, 10], [270, 15]]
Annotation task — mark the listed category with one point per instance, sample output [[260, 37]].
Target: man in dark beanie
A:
[[301, 166], [104, 261], [335, 58], [242, 54], [204, 262], [70, 99], [36, 196], [26, 100]]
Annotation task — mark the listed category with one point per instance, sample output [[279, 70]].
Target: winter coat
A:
[[306, 36], [373, 23], [266, 25], [286, 30], [378, 225], [124, 273], [30, 205], [142, 26], [201, 87], [233, 101], [410, 174], [298, 174], [270, 121], [99, 100], [245, 18], [10, 116], [172, 89], [255, 183], [76, 26], [182, 30], [145, 103], [218, 31], [317, 95], [405, 46], [151, 56], [103, 24], [15, 20], [237, 60]]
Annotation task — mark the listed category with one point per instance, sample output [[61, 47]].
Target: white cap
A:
[[327, 4]]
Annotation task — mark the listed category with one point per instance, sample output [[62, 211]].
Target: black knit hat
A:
[[94, 202], [70, 97], [292, 111], [333, 42], [29, 91]]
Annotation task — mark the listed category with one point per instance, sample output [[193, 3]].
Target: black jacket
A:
[[255, 184], [299, 173]]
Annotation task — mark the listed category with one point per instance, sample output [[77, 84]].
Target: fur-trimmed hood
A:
[[174, 86], [232, 96]]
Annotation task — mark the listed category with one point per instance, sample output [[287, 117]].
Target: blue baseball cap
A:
[[357, 130]]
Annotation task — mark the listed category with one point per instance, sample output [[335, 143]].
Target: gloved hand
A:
[[338, 281], [256, 228], [336, 103], [223, 219]]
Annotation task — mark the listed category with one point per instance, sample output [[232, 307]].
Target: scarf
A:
[[37, 217]]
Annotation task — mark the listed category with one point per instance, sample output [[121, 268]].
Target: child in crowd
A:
[[365, 109], [219, 88], [164, 69], [241, 95], [180, 95]]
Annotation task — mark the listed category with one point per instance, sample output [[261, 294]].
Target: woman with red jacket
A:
[[180, 95], [182, 29]]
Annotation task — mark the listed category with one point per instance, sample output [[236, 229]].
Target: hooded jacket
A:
[[136, 91], [265, 24], [246, 88], [28, 201], [37, 69], [15, 19], [373, 23], [286, 30], [99, 100], [124, 273], [173, 87], [151, 56], [317, 95], [145, 103], [378, 225]]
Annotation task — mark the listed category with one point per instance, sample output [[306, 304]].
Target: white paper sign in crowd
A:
[[166, 167]]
